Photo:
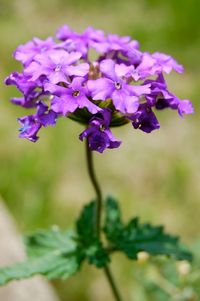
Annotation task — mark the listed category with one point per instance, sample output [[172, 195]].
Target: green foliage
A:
[[89, 243], [135, 237], [85, 225], [58, 254], [52, 253], [43, 241]]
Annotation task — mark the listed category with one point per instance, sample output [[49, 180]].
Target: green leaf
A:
[[113, 224], [43, 241], [85, 225], [52, 253], [97, 254], [135, 237], [89, 243]]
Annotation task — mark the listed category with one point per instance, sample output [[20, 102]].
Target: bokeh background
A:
[[155, 176]]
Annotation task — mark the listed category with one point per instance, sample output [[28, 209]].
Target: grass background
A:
[[154, 176]]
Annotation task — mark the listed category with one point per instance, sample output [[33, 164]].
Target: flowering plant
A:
[[114, 85]]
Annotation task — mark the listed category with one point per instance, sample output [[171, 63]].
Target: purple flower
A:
[[111, 43], [165, 63], [133, 54], [32, 124], [122, 85], [145, 68], [161, 98], [80, 42], [152, 64], [45, 116], [145, 119], [98, 134], [124, 96], [31, 90], [26, 53], [67, 99], [30, 128], [56, 66], [185, 107]]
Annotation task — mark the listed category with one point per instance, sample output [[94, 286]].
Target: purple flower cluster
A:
[[123, 84]]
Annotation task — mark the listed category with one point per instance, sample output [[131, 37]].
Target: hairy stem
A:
[[98, 209]]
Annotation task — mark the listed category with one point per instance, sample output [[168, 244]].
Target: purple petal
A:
[[146, 67], [98, 141], [185, 107], [133, 53], [167, 63], [55, 89], [41, 108], [34, 71], [72, 57], [86, 133], [48, 119], [123, 70], [83, 102], [27, 53], [145, 119], [77, 83], [57, 77], [114, 143], [63, 105], [64, 32], [80, 70], [140, 90], [107, 67], [30, 128], [124, 103], [98, 133], [100, 89]]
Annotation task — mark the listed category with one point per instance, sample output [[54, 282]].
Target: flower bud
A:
[[142, 257], [183, 267]]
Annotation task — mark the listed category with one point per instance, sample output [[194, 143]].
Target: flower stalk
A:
[[95, 184], [97, 216]]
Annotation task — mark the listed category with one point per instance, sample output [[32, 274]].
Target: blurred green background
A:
[[154, 176]]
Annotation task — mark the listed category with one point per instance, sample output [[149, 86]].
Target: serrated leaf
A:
[[135, 237], [113, 224], [43, 241], [89, 243], [52, 254], [85, 225]]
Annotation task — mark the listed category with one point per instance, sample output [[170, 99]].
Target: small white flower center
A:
[[118, 85], [58, 68]]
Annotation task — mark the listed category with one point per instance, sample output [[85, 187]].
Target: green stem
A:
[[99, 198], [99, 201], [112, 283]]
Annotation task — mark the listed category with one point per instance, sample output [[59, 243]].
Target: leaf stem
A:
[[98, 209]]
